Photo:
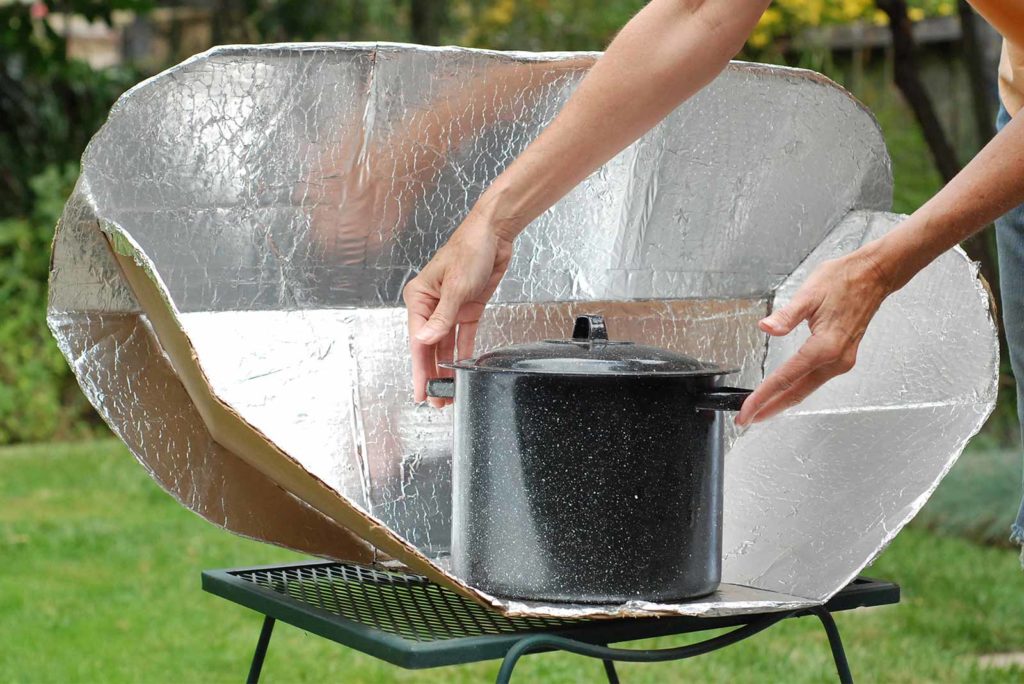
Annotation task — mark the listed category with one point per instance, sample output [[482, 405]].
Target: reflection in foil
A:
[[226, 285]]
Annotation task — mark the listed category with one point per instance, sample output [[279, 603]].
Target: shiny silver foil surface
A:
[[268, 203]]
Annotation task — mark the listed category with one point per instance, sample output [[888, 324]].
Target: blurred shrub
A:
[[785, 18], [591, 24], [978, 500], [38, 396], [49, 105], [264, 21], [540, 24]]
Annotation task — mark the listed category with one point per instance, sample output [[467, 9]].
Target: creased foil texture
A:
[[226, 285]]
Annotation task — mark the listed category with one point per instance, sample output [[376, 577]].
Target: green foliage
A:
[[540, 24], [785, 20], [50, 105], [591, 24], [979, 498], [300, 20], [38, 398]]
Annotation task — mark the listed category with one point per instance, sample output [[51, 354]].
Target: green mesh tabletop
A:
[[407, 620]]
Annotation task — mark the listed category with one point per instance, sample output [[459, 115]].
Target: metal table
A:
[[411, 622]]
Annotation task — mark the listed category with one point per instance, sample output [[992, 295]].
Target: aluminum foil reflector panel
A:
[[226, 285]]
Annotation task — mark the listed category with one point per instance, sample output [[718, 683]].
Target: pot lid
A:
[[590, 352]]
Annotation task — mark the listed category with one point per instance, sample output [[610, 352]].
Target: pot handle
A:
[[722, 399], [441, 388], [589, 327]]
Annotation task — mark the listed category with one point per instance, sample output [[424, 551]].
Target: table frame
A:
[[583, 637]]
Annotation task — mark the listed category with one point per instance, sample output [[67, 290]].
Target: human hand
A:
[[452, 290], [838, 301]]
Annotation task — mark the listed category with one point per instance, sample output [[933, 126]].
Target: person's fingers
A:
[[817, 351], [420, 301], [444, 352], [783, 320], [797, 393], [444, 317], [466, 339], [419, 305], [422, 363], [452, 288]]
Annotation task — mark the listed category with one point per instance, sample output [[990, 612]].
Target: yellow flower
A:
[[849, 10], [771, 17], [500, 13], [915, 14], [759, 39]]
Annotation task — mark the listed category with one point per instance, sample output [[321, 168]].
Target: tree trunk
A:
[[426, 18], [980, 81], [906, 74]]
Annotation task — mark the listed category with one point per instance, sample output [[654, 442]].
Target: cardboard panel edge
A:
[[234, 433]]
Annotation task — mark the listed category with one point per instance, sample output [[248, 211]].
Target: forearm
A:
[[665, 54], [989, 186]]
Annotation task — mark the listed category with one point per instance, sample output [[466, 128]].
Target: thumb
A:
[[782, 321], [442, 320]]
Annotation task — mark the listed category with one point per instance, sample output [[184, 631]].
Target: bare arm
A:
[[668, 52], [665, 54], [841, 296], [988, 187]]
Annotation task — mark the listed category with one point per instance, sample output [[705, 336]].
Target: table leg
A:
[[835, 642], [609, 671], [261, 651], [539, 642]]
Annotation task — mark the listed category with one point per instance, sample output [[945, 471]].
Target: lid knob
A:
[[588, 328]]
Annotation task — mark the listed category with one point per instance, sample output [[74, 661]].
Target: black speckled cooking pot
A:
[[588, 470]]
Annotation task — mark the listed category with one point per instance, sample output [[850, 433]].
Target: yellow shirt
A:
[[1007, 17]]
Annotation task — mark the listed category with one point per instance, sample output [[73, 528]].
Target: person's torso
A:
[[1007, 17]]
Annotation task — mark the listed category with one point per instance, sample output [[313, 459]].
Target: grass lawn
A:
[[100, 583]]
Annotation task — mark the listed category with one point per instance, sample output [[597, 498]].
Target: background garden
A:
[[100, 581]]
